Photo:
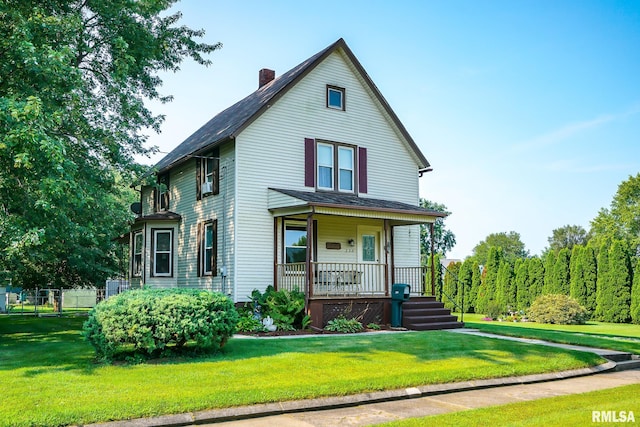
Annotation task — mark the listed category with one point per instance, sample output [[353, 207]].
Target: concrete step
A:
[[625, 365], [617, 356], [436, 326]]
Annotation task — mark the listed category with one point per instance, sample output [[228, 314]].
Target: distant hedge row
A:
[[150, 321], [606, 281]]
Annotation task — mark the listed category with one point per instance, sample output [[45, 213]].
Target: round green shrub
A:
[[148, 321], [558, 309]]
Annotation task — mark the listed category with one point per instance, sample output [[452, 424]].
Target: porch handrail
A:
[[457, 282]]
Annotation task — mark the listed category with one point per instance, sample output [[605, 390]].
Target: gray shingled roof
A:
[[351, 201], [230, 122]]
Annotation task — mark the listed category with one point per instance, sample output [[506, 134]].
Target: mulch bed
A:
[[312, 332]]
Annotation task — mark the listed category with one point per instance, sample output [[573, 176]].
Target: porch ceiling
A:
[[292, 202]]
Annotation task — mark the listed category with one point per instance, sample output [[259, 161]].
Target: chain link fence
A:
[[54, 302]]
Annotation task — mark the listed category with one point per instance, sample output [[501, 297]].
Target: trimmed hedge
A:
[[558, 309], [149, 321]]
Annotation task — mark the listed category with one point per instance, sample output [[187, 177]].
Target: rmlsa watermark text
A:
[[612, 417]]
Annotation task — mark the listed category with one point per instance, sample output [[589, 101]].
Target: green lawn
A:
[[614, 336], [49, 375], [571, 410]]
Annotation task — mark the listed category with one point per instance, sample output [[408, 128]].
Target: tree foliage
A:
[[621, 220], [522, 284], [560, 273], [567, 237], [465, 282], [74, 76], [450, 285], [535, 270], [583, 277], [443, 240], [512, 247], [635, 295], [487, 291]]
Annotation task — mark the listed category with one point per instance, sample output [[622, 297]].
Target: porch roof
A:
[[159, 216], [284, 202]]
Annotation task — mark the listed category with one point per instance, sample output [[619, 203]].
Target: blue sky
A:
[[529, 111]]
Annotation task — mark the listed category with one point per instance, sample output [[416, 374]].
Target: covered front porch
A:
[[342, 250], [348, 280]]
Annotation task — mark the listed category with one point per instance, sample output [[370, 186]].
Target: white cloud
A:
[[571, 129]]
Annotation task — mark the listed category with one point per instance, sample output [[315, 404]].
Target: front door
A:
[[369, 248]]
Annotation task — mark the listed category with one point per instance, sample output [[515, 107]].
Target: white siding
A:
[[182, 200], [406, 246], [270, 153]]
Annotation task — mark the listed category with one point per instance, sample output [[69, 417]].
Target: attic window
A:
[[335, 98]]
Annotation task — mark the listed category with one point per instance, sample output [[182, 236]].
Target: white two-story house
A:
[[310, 182]]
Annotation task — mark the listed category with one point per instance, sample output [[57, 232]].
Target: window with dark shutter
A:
[[207, 248], [309, 162], [208, 174], [362, 170]]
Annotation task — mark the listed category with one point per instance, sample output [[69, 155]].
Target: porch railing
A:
[[419, 278], [332, 279]]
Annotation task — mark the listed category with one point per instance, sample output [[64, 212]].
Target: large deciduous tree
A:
[[443, 240], [512, 247], [622, 219], [567, 237], [74, 76]]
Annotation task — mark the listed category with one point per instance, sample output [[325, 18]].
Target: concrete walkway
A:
[[372, 408]]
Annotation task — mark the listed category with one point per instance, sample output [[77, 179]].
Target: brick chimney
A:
[[265, 76]]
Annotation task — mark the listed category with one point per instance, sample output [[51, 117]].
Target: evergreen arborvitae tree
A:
[[617, 294], [536, 278], [560, 273], [602, 281], [522, 284], [476, 279], [577, 288], [549, 262], [590, 276], [635, 295], [450, 285], [465, 276], [505, 291], [487, 295]]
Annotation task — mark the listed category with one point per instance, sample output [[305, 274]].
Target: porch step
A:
[[426, 313], [417, 305], [411, 320], [413, 312], [436, 326]]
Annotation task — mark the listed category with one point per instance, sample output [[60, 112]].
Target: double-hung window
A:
[[137, 253], [336, 167], [208, 174], [210, 169], [325, 166], [345, 169], [162, 246], [208, 248]]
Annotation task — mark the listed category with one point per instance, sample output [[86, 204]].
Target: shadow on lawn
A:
[[44, 345], [424, 346], [40, 346]]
